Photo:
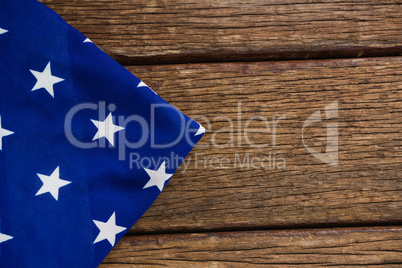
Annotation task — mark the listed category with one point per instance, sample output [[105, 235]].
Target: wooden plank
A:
[[288, 248], [365, 187], [144, 31]]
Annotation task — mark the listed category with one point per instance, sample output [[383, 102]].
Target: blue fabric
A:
[[102, 182]]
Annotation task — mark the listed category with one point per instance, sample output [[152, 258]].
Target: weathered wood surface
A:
[[373, 247], [366, 185], [154, 31]]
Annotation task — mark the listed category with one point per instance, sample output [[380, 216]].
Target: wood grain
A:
[[155, 31], [367, 247], [365, 188]]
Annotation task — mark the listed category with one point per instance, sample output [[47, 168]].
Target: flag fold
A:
[[85, 146]]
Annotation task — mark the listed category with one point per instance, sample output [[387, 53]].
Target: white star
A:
[[3, 133], [106, 129], [52, 184], [108, 230], [46, 80], [142, 84], [4, 238], [3, 31], [157, 177], [87, 41], [200, 131]]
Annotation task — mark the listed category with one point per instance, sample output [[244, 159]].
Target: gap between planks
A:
[[371, 224]]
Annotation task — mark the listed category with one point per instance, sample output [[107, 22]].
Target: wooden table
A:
[[268, 66]]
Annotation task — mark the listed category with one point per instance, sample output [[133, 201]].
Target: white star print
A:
[[108, 230], [142, 84], [200, 131], [46, 80], [52, 184], [4, 238], [157, 177], [3, 133], [106, 129], [87, 41], [3, 31]]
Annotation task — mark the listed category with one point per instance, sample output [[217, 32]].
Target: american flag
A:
[[85, 146]]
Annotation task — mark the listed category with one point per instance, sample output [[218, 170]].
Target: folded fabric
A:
[[85, 146]]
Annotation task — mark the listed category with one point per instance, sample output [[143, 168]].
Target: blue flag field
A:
[[71, 120]]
